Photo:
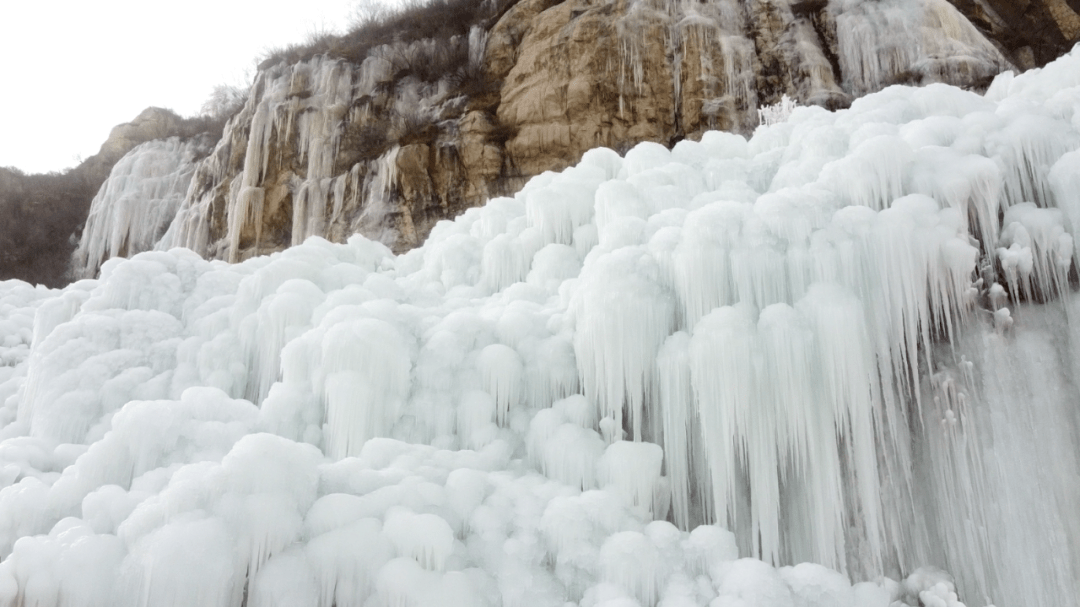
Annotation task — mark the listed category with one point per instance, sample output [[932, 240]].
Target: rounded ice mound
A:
[[424, 537], [816, 585], [645, 156], [752, 582]]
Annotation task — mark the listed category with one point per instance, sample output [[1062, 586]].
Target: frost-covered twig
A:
[[778, 112]]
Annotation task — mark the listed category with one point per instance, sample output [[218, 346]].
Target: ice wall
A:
[[896, 41], [845, 342], [137, 202]]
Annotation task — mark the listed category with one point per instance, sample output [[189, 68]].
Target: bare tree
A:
[[224, 101]]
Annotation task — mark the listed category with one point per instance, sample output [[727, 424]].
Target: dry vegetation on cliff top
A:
[[439, 20]]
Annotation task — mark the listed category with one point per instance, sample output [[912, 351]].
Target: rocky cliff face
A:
[[390, 145], [329, 148], [1030, 32], [587, 75]]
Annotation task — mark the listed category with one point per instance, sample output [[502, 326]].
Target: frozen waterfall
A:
[[138, 202], [845, 343]]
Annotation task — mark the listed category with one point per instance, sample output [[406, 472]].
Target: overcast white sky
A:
[[73, 69]]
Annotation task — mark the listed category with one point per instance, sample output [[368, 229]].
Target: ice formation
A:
[[928, 39], [312, 103], [138, 201], [844, 343]]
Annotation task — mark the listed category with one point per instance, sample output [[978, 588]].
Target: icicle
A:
[[502, 372], [874, 173], [478, 38], [309, 210], [683, 454], [553, 373], [379, 190], [847, 382], [970, 184], [286, 580], [1027, 147], [633, 469], [889, 28], [186, 563], [615, 199], [623, 316], [1035, 252], [246, 212], [363, 380], [541, 428], [507, 260], [702, 259], [557, 210], [908, 39], [280, 318], [944, 30], [722, 347]]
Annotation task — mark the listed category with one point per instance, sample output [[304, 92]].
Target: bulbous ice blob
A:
[[424, 537]]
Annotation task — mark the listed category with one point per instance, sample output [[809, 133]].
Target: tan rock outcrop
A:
[[612, 74]]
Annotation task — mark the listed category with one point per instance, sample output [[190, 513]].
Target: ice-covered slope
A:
[[138, 201], [845, 341]]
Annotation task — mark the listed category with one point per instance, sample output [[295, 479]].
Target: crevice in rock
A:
[[815, 11]]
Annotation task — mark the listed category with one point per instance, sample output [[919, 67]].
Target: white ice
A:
[[138, 201], [840, 350]]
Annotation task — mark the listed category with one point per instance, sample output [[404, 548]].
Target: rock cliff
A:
[[417, 131], [1031, 32]]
